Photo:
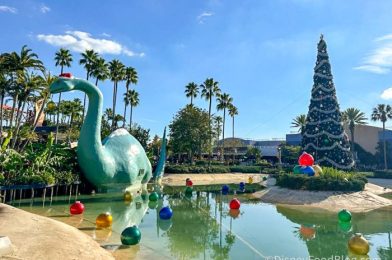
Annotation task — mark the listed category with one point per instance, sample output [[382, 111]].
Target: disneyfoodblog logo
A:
[[333, 257]]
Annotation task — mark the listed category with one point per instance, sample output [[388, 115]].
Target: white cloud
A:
[[80, 41], [387, 94], [106, 35], [44, 9], [9, 9], [380, 59], [201, 18]]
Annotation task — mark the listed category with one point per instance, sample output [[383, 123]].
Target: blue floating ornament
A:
[[308, 170], [225, 189], [166, 213]]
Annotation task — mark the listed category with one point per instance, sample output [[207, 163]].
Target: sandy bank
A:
[[362, 201], [36, 237], [205, 179]]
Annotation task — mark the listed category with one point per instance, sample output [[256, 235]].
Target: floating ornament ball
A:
[[317, 170], [308, 170], [234, 213], [188, 182], [358, 244], [250, 180], [235, 204], [225, 189], [166, 213], [131, 236], [153, 196], [307, 232], [345, 226], [344, 215], [76, 208], [128, 196], [297, 169], [152, 204], [165, 225], [306, 159], [104, 220]]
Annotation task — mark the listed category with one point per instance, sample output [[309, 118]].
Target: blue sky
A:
[[261, 52]]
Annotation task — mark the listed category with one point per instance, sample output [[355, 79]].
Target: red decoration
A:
[[234, 213], [307, 233], [66, 75], [188, 183], [235, 204], [76, 208], [306, 159]]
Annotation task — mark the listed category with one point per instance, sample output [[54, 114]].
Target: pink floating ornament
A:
[[235, 204], [76, 208], [306, 159]]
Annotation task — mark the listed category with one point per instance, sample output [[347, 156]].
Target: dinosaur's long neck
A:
[[90, 135]]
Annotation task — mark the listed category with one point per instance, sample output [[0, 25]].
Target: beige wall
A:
[[366, 136]]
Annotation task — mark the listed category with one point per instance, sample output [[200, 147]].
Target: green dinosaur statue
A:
[[119, 160]]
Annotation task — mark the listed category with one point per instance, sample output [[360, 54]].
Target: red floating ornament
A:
[[235, 204], [65, 75], [76, 208], [234, 213], [306, 159], [188, 183]]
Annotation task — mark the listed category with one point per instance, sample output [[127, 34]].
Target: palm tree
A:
[[88, 59], [224, 101], [353, 116], [63, 58], [16, 64], [4, 83], [76, 110], [100, 70], [233, 111], [209, 89], [131, 98], [117, 71], [383, 113], [130, 78], [191, 90], [300, 123]]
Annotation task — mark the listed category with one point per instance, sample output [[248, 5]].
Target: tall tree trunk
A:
[[130, 117], [385, 146], [1, 118], [233, 142], [96, 82], [223, 134], [13, 110], [114, 104], [352, 129], [18, 123], [35, 123], [191, 100], [125, 106], [58, 119], [210, 134]]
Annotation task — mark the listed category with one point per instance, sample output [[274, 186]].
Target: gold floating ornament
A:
[[250, 180], [128, 196], [104, 220], [317, 170], [358, 244]]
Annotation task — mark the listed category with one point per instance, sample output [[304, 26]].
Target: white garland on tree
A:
[[323, 76], [348, 167], [324, 121], [324, 97], [324, 133], [319, 86], [320, 64], [322, 111], [326, 148]]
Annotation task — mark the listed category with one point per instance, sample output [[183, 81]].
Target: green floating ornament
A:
[[344, 215], [153, 196], [297, 169], [188, 191], [131, 236]]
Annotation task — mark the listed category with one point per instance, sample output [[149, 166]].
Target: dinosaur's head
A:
[[64, 83]]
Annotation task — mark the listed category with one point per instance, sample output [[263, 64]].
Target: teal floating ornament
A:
[[153, 196], [131, 236], [344, 215], [152, 204], [297, 169], [345, 226], [188, 191]]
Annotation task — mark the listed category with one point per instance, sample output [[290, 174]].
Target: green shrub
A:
[[385, 174], [326, 182], [1, 179], [263, 163], [218, 169], [245, 169]]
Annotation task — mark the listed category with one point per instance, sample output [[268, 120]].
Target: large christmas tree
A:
[[324, 135]]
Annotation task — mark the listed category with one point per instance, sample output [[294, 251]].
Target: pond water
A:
[[203, 227]]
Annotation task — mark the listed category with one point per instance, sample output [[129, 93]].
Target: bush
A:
[[385, 174], [245, 169], [1, 179], [325, 182]]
